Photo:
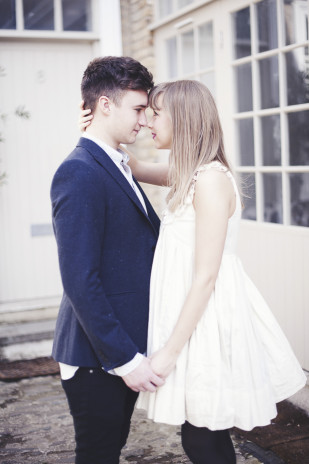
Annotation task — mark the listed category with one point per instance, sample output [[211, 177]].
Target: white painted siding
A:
[[276, 259]]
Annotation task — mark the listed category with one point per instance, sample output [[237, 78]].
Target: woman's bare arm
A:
[[146, 171], [214, 198]]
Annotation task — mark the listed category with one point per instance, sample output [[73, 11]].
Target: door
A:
[[39, 94]]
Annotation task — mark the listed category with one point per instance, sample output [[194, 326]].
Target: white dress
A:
[[237, 364]]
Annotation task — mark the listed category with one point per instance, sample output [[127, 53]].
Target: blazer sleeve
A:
[[78, 209]]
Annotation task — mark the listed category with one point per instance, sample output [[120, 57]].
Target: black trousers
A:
[[101, 406], [204, 446]]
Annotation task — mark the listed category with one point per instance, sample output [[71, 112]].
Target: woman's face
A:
[[161, 126]]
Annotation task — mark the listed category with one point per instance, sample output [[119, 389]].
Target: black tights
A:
[[204, 446]]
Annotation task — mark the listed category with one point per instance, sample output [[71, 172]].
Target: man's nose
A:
[[143, 120]]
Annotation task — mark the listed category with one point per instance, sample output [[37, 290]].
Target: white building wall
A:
[[276, 259], [42, 74]]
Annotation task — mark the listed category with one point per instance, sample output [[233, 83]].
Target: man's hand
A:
[[142, 378]]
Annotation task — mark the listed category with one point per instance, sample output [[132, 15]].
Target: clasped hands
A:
[[151, 373]]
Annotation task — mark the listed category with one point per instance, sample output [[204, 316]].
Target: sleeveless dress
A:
[[238, 363]]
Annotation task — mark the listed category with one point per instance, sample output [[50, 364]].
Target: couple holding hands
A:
[[159, 314]]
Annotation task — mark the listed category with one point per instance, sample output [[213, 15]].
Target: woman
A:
[[211, 335]]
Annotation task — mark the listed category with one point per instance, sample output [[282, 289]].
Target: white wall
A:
[[43, 75], [276, 259]]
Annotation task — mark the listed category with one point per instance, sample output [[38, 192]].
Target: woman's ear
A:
[[104, 105]]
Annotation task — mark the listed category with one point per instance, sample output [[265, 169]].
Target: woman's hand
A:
[[85, 117], [162, 362]]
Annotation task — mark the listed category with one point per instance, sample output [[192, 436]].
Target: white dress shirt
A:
[[120, 158]]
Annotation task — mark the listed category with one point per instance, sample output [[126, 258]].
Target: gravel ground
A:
[[36, 428]]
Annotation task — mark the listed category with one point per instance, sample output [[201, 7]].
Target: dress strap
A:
[[206, 167], [219, 167]]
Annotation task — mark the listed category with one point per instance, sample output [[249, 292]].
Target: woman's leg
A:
[[204, 446]]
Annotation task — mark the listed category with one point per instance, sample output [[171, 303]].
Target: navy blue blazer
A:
[[106, 243]]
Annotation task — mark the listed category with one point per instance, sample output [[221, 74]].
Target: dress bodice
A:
[[181, 222]]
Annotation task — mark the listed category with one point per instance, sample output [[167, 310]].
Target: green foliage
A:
[[20, 112]]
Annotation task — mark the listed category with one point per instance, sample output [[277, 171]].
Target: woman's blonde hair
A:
[[197, 137]]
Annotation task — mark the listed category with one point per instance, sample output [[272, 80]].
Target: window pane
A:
[[271, 141], [298, 124], [248, 190], [243, 77], [245, 142], [171, 50], [242, 33], [299, 187], [165, 7], [269, 82], [206, 46], [38, 15], [182, 3], [187, 45], [7, 14], [296, 21], [297, 75], [272, 188], [76, 15], [209, 80], [267, 25]]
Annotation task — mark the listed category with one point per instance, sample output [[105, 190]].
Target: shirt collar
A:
[[117, 156]]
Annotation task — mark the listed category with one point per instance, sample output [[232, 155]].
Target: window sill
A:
[[49, 35]]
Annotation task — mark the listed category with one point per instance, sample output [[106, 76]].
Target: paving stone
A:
[[36, 428]]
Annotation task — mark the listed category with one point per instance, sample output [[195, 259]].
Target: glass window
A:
[[7, 14], [296, 21], [206, 46], [298, 124], [272, 189], [190, 55], [165, 7], [245, 142], [38, 14], [271, 141], [267, 25], [209, 80], [279, 83], [269, 82], [171, 50], [76, 15], [242, 33], [187, 47], [243, 79], [248, 191], [182, 3], [299, 187], [297, 75]]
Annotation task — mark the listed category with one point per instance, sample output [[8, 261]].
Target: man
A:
[[106, 232]]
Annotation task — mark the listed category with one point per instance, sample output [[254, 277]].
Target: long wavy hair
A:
[[197, 137]]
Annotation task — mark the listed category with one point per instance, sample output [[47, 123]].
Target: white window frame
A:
[[179, 29], [176, 12], [282, 110], [57, 32], [181, 21]]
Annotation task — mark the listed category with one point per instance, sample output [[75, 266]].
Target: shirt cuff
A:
[[129, 366]]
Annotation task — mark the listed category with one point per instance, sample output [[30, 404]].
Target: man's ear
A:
[[104, 104]]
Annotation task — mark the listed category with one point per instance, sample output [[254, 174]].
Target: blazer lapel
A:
[[152, 215], [104, 160]]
